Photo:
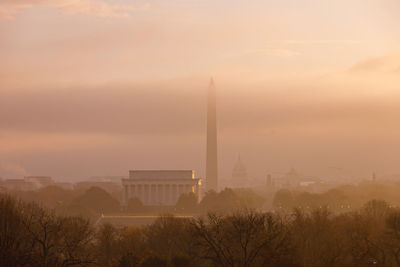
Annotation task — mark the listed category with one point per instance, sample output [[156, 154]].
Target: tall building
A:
[[270, 184], [212, 158]]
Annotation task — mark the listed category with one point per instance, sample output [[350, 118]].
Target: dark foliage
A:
[[31, 235], [98, 200]]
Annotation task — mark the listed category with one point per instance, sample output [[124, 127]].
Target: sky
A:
[[96, 87]]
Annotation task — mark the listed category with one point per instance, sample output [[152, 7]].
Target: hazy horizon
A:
[[92, 88]]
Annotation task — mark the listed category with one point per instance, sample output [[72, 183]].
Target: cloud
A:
[[47, 141], [98, 8], [313, 42], [388, 64], [132, 110], [8, 10], [85, 131], [278, 52], [180, 111], [371, 64]]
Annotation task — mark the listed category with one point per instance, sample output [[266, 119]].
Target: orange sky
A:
[[90, 87]]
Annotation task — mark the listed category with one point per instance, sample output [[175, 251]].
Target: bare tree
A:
[[107, 245], [243, 239], [76, 242], [43, 230], [14, 250], [393, 235], [41, 238]]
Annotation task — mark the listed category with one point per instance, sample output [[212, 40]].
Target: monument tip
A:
[[212, 81]]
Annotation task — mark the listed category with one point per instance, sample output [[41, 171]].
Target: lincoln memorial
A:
[[159, 187]]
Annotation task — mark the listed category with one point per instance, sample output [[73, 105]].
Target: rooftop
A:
[[161, 174]]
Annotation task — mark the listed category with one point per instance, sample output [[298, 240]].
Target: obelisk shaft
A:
[[212, 158]]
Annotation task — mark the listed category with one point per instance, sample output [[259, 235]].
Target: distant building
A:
[[29, 183], [239, 175], [292, 178], [374, 177], [159, 187], [111, 179], [39, 181], [295, 180], [270, 183], [18, 185]]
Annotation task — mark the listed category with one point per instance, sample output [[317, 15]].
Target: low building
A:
[[107, 179], [39, 181], [18, 185], [159, 187]]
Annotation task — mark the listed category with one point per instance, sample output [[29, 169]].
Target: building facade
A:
[[29, 183], [159, 187]]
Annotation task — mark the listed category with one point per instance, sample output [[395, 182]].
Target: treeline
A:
[[31, 235], [88, 203], [227, 200], [340, 199], [93, 202]]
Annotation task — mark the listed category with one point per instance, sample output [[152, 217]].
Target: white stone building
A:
[[159, 187], [239, 175]]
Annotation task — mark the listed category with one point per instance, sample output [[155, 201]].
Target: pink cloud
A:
[[98, 8], [388, 64]]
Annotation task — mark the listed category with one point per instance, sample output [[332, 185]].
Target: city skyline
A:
[[199, 133], [86, 93]]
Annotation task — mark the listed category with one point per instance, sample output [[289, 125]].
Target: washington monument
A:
[[212, 158]]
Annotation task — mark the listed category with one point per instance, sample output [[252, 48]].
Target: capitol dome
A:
[[239, 174]]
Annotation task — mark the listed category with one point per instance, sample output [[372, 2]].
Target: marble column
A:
[[157, 198], [180, 190], [124, 202], [174, 193], [140, 192], [167, 194], [146, 194]]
